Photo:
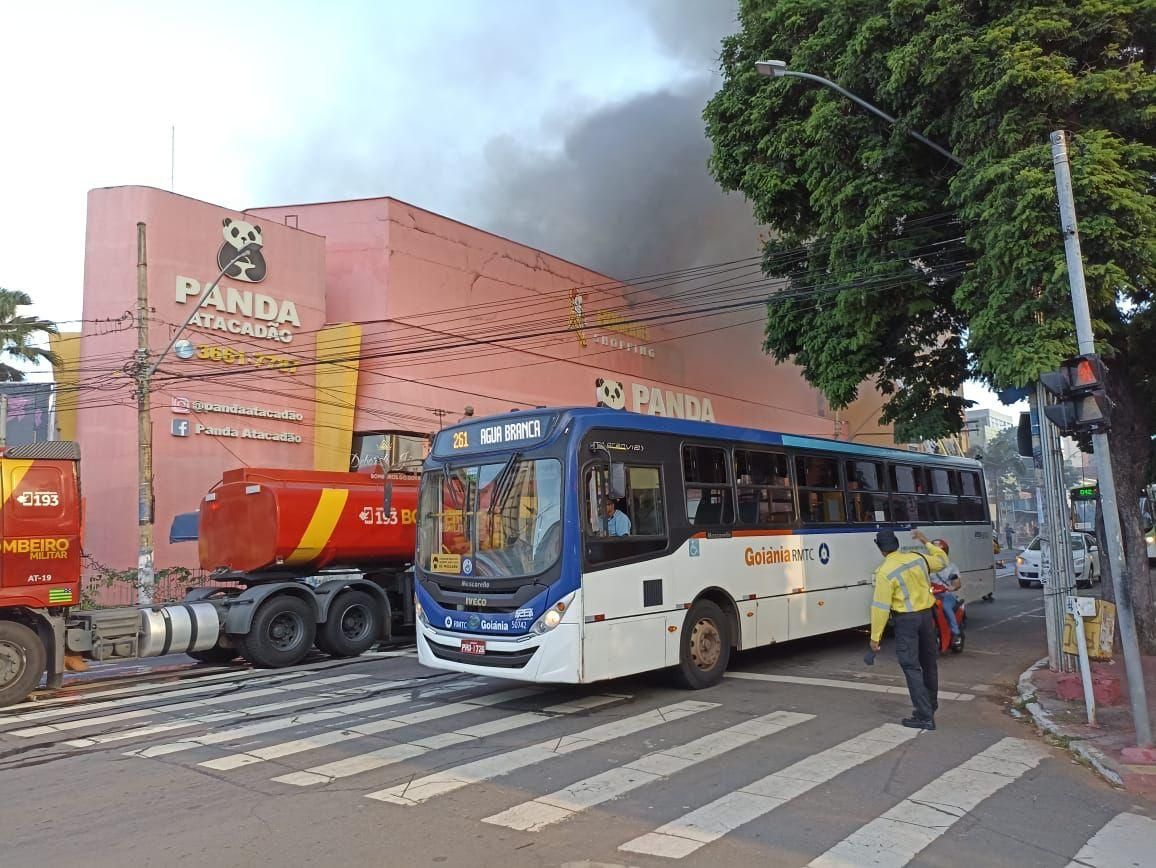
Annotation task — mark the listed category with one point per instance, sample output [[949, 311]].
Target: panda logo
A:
[[610, 393], [250, 267]]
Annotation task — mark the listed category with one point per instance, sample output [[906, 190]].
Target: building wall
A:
[[183, 237], [444, 317]]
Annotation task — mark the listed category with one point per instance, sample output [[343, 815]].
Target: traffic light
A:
[[1082, 405]]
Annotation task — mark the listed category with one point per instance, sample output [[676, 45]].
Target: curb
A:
[[1095, 757]]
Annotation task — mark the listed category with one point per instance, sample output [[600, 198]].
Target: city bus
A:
[[1084, 503], [573, 545]]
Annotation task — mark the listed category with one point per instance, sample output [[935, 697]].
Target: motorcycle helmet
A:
[[942, 543]]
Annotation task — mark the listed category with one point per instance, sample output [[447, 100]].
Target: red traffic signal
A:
[[1082, 406]]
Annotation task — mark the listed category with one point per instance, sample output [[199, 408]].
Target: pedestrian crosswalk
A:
[[550, 758]]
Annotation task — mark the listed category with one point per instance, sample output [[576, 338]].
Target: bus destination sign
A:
[[1086, 491], [491, 435]]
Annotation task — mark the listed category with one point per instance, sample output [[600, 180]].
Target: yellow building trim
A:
[[66, 345], [336, 394]]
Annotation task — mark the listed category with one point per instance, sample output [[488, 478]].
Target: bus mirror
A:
[[388, 497], [617, 480]]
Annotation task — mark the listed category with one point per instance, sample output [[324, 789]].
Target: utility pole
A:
[[3, 420], [145, 573], [1115, 542]]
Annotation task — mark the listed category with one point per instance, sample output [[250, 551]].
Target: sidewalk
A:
[[1066, 718]]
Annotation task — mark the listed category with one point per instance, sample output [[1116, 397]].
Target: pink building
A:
[[358, 324]]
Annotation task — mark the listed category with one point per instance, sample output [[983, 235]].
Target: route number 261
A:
[[461, 440]]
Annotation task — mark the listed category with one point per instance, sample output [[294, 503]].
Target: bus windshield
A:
[[494, 520]]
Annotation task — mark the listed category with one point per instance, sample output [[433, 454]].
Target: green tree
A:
[[942, 272], [19, 333]]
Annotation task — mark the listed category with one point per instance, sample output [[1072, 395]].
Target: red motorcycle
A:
[[942, 628]]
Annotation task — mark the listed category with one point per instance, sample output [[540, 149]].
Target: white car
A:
[[1085, 557]]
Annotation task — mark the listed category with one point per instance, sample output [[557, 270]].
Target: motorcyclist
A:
[[948, 580]]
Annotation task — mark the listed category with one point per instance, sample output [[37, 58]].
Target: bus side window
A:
[[820, 492], [708, 486], [945, 493], [867, 498], [908, 498], [971, 504], [764, 488]]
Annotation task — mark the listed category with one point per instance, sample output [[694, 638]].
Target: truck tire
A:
[[22, 658], [353, 626], [216, 654], [705, 646], [281, 633]]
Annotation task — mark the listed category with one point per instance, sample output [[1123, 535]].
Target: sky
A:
[[574, 127]]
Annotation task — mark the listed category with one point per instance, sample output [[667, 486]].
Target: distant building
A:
[[982, 426]]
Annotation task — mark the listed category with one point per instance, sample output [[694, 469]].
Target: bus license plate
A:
[[473, 646]]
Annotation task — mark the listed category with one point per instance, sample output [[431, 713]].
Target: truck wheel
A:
[[22, 659], [281, 633], [705, 646], [353, 625], [216, 654]]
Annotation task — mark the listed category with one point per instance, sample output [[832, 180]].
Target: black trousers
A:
[[919, 659]]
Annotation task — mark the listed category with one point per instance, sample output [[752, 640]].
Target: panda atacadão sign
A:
[[240, 311]]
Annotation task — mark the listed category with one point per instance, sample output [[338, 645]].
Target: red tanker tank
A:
[[302, 521]]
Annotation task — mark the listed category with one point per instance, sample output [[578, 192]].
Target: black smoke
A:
[[629, 193]]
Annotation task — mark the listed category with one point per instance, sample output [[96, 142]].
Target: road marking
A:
[[1126, 840], [560, 805], [232, 696], [1028, 614], [73, 709], [396, 753], [239, 714], [679, 838], [899, 835], [150, 691], [227, 735], [375, 727], [845, 685], [422, 789]]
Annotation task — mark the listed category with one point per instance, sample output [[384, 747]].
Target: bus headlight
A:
[[552, 617], [419, 611]]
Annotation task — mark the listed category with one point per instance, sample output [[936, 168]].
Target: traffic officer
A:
[[903, 593]]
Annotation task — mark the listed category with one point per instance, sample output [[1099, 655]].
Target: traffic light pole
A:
[[1115, 540]]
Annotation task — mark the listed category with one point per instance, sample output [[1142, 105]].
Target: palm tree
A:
[[18, 333]]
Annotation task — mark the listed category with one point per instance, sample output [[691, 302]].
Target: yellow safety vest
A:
[[903, 584]]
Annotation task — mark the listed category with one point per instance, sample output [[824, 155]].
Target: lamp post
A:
[[778, 69]]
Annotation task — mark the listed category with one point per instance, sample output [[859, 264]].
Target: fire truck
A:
[[298, 559]]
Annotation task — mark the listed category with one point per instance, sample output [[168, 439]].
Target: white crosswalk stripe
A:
[[232, 696], [189, 685], [248, 712], [656, 766], [679, 838], [375, 727], [899, 835], [343, 708], [1126, 841], [439, 783], [264, 726], [396, 753]]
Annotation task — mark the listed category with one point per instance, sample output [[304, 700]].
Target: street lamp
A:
[[778, 69]]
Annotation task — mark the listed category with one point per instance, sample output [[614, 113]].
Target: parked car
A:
[[1085, 557]]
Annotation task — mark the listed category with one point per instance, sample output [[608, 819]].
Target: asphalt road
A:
[[794, 760]]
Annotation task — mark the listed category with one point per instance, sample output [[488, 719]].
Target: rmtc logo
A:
[[250, 267]]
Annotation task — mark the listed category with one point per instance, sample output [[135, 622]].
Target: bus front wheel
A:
[[705, 646]]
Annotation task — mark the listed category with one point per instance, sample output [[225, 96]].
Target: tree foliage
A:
[[18, 335], [949, 272]]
